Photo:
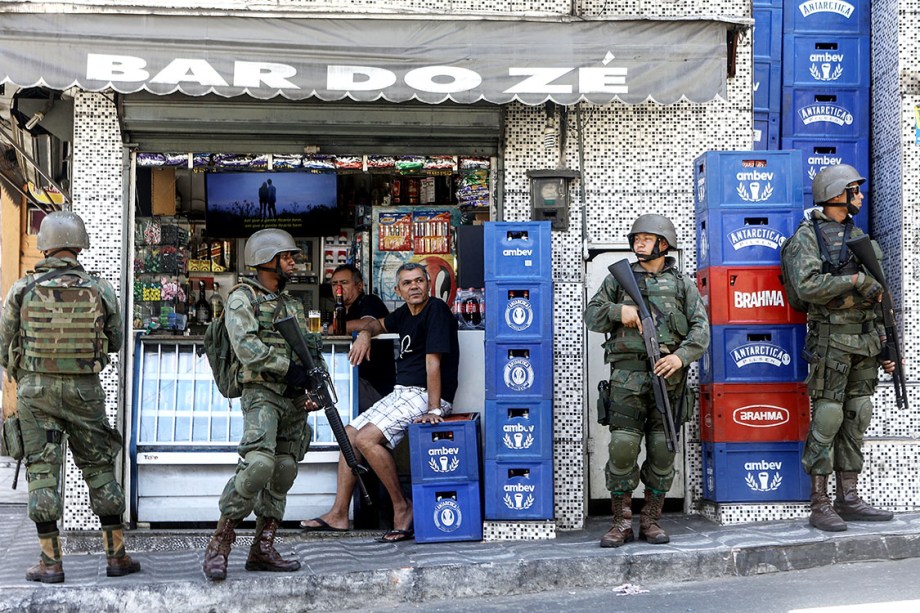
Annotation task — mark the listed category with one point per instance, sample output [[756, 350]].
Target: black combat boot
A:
[[117, 562], [215, 556], [263, 555], [621, 528], [850, 506], [823, 516], [50, 568], [649, 530]]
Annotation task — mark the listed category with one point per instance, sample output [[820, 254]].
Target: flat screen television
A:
[[240, 203]]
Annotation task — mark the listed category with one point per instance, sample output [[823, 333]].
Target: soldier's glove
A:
[[868, 286], [296, 376]]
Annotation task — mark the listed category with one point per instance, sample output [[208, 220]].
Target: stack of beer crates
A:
[[768, 55], [518, 414], [446, 494], [754, 410], [826, 78]]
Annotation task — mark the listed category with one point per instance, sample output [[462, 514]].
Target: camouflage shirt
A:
[[687, 323], [264, 355], [831, 297], [11, 323]]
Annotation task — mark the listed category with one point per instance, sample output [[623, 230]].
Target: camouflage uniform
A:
[[276, 435], [843, 346], [683, 329], [55, 342]]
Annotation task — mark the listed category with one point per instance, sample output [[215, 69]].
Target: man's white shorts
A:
[[393, 413]]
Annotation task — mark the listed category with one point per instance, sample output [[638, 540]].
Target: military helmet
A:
[[652, 223], [62, 230], [264, 245], [833, 180]]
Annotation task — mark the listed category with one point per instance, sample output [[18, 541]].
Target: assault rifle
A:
[[861, 246], [322, 392], [623, 273]]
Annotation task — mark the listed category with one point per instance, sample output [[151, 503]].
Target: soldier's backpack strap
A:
[[826, 265], [57, 272]]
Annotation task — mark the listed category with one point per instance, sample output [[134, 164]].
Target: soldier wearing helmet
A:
[[843, 345], [275, 434], [59, 325], [628, 406]]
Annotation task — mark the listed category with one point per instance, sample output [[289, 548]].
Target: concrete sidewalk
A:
[[353, 570]]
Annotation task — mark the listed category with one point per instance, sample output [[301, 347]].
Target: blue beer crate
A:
[[519, 311], [767, 3], [447, 512], [766, 131], [828, 60], [754, 472], [768, 33], [819, 153], [767, 86], [518, 431], [753, 353], [748, 179], [519, 370], [519, 490], [853, 16], [448, 451], [828, 112], [731, 237], [517, 251]]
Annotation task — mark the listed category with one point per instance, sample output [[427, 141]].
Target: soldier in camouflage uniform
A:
[[276, 435], [683, 331], [843, 346], [59, 325]]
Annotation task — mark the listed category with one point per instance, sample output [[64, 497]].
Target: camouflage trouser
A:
[[841, 386], [633, 413], [50, 406], [276, 437]]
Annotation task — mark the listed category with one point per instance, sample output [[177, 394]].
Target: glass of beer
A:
[[314, 321]]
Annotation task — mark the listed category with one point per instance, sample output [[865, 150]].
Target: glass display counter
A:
[[185, 433]]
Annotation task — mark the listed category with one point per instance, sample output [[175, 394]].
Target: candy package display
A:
[[286, 161], [474, 163], [381, 161], [200, 160], [394, 232], [440, 162], [406, 163], [431, 231], [349, 162], [319, 162]]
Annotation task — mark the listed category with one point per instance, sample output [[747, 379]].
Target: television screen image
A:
[[240, 203]]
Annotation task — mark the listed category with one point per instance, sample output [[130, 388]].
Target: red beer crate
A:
[[744, 412], [745, 295]]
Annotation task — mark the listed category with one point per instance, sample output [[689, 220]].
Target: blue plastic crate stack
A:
[[752, 405], [518, 416], [446, 493], [826, 78], [768, 56]]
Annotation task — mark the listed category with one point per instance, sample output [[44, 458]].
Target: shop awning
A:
[[366, 59]]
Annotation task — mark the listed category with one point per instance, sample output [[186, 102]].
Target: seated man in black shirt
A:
[[376, 376], [426, 382]]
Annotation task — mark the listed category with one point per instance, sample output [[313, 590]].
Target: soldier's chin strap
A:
[[283, 278], [852, 209], [655, 254]]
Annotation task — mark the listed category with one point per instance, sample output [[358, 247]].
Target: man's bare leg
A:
[[337, 516], [372, 444]]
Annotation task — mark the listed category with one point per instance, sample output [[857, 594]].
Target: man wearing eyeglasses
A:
[[843, 345]]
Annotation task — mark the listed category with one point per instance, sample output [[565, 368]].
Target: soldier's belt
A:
[[862, 328], [634, 365]]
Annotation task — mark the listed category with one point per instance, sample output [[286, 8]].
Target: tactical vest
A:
[[832, 237], [63, 326], [267, 311], [665, 295]]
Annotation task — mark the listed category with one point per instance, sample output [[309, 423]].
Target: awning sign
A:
[[397, 60]]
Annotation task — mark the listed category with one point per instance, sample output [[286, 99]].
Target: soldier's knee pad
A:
[[44, 498], [256, 473], [660, 460], [624, 450], [284, 475], [858, 411], [826, 420]]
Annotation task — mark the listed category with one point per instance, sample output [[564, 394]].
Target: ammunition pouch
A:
[[626, 417], [12, 437], [603, 402]]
